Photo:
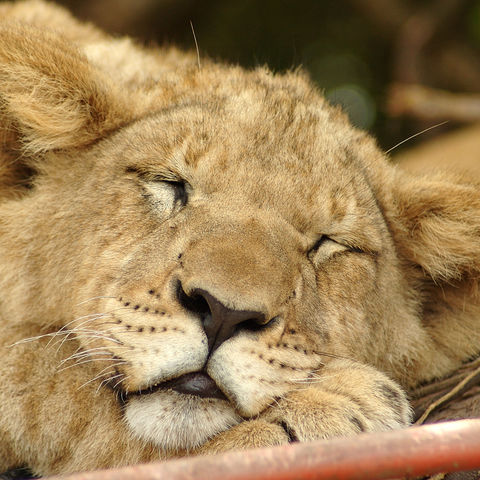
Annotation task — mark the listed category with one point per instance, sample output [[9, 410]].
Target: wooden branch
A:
[[457, 396], [430, 104]]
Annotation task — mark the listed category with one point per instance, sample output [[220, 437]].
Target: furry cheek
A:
[[253, 375], [150, 358]]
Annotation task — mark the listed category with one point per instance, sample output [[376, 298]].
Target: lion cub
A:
[[202, 259]]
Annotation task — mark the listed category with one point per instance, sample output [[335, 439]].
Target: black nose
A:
[[219, 321]]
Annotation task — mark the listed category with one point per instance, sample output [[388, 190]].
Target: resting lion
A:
[[196, 258]]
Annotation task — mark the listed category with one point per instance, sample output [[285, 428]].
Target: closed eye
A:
[[164, 191], [326, 247], [167, 197], [180, 191]]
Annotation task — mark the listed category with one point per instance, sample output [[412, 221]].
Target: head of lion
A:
[[212, 237]]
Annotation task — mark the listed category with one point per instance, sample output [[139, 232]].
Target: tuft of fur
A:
[[158, 220]]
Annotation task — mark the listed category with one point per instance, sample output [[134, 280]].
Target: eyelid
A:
[[325, 238], [149, 176], [169, 179]]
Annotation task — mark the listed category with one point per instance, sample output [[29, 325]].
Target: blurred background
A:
[[397, 66]]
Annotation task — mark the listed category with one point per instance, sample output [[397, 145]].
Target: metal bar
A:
[[417, 451]]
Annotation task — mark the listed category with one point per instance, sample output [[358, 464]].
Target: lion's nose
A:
[[219, 321]]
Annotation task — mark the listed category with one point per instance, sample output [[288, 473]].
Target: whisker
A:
[[331, 355], [62, 331], [83, 362], [97, 334], [94, 315], [196, 46], [102, 324], [104, 382], [312, 378], [70, 336], [119, 382], [90, 320], [113, 366], [416, 135], [86, 353], [88, 339], [89, 315], [78, 329], [33, 339], [98, 377], [95, 350]]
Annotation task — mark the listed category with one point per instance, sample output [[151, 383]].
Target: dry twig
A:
[[441, 393], [432, 104]]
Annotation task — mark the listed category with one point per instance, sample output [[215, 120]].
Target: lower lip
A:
[[197, 384]]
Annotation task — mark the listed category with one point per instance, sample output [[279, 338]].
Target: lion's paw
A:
[[248, 434], [347, 398]]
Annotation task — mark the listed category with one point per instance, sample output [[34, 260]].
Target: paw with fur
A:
[[347, 398]]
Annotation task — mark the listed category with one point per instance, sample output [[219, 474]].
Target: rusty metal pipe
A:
[[417, 451]]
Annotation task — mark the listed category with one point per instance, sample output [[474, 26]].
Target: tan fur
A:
[[97, 246]]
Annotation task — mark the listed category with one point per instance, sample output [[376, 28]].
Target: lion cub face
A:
[[221, 253], [210, 239]]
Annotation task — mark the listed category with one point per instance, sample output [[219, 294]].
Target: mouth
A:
[[180, 414], [198, 384]]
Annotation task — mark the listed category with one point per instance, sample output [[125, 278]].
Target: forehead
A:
[[267, 147]]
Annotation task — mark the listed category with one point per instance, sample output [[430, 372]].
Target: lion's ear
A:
[[438, 225], [51, 97]]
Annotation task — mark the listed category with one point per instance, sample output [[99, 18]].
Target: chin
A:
[[178, 422]]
